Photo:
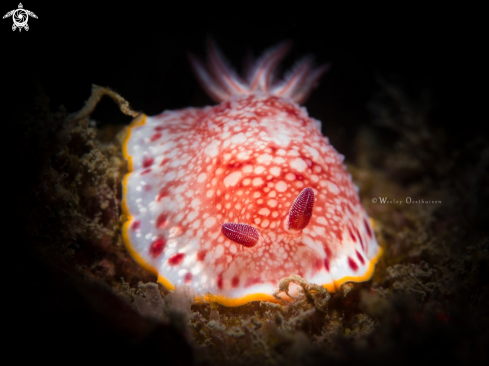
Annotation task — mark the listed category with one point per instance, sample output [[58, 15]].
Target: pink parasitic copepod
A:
[[229, 199]]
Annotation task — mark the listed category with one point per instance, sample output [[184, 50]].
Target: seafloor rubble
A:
[[427, 301]]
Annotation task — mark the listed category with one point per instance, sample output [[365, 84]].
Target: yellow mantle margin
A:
[[226, 301]]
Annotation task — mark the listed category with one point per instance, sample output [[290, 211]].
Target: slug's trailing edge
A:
[[231, 198]]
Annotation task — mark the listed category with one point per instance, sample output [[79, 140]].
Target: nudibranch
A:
[[229, 199]]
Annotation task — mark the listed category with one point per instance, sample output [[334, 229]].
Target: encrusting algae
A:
[[427, 300]]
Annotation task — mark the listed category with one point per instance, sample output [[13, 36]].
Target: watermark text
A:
[[407, 200]]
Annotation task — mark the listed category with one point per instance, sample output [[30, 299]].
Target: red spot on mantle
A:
[[360, 257], [367, 228], [145, 171], [360, 238], [147, 162], [155, 137], [235, 281], [161, 221], [201, 255], [176, 259], [219, 282], [351, 235], [163, 193], [188, 278], [326, 264], [352, 264], [136, 225], [157, 247], [164, 162]]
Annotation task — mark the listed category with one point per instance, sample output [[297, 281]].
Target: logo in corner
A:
[[20, 17]]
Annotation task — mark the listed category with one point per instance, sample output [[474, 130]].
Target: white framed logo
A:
[[20, 17]]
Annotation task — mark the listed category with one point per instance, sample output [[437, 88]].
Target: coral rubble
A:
[[427, 301]]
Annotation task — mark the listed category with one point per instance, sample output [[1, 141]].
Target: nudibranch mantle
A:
[[229, 199]]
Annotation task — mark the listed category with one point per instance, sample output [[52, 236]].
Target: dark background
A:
[[140, 51]]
